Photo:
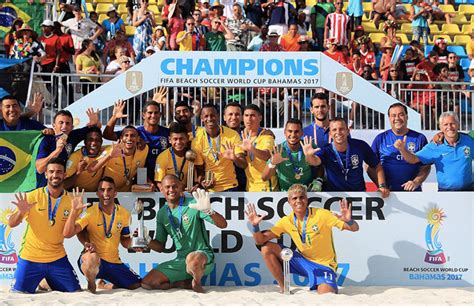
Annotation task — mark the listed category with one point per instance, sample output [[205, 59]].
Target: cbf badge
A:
[[467, 151], [185, 218], [315, 228], [119, 225], [134, 81], [411, 147], [355, 161], [66, 212]]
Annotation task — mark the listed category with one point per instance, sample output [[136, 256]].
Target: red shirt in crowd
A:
[[51, 46], [65, 40], [428, 66]]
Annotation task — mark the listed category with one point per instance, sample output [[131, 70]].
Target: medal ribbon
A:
[[260, 130], [300, 153], [218, 145], [126, 170], [345, 168], [170, 216], [107, 231], [303, 232], [52, 211], [175, 164], [193, 129]]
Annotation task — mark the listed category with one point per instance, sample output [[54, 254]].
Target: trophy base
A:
[[139, 243]]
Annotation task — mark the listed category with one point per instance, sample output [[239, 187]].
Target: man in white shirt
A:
[[80, 28]]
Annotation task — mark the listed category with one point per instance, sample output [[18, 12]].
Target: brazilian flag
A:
[[18, 150], [33, 14]]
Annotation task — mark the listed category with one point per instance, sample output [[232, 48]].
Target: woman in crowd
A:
[[419, 16], [88, 62], [175, 25], [9, 39], [144, 21], [112, 24], [120, 40], [158, 40]]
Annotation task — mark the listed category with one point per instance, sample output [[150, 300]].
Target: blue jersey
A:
[[397, 170], [24, 124], [157, 143], [453, 164], [345, 170], [48, 145], [322, 134]]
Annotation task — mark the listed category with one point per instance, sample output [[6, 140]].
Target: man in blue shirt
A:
[[399, 174], [14, 120], [319, 129], [63, 143], [342, 160], [452, 158], [152, 133]]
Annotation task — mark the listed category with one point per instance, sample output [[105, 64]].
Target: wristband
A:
[[210, 212], [350, 222], [383, 185], [271, 166], [255, 228]]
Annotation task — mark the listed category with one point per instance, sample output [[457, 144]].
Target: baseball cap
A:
[[48, 23]]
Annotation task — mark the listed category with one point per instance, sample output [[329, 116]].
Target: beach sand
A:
[[260, 295]]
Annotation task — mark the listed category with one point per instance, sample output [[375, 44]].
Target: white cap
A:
[[48, 23]]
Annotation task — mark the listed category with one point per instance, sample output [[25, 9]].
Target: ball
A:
[[286, 254], [190, 155]]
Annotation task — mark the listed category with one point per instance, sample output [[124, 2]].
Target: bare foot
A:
[[197, 287], [43, 285], [101, 284], [91, 285]]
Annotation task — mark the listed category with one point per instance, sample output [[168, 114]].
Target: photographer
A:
[[215, 39]]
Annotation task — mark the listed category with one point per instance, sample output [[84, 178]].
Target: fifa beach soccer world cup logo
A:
[[435, 253], [7, 247]]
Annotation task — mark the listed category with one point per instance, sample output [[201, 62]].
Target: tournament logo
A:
[[435, 253], [134, 81], [344, 82], [7, 247], [355, 160], [411, 147]]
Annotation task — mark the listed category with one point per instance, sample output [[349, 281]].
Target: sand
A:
[[261, 295]]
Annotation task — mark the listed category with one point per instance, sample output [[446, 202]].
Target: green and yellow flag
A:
[[33, 14], [18, 151]]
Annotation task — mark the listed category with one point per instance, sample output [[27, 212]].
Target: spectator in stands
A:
[[217, 149], [422, 100], [400, 175], [441, 48], [9, 38], [360, 37], [387, 53], [158, 39], [113, 23], [272, 43], [301, 24], [383, 10], [67, 7], [438, 14], [215, 39], [257, 42], [189, 39], [356, 65], [318, 19], [337, 25], [343, 160], [419, 24], [305, 43], [417, 50], [257, 143], [119, 41], [115, 65], [390, 29], [175, 25], [149, 51], [452, 158], [456, 72], [240, 27], [66, 50], [304, 10], [401, 12], [254, 12], [393, 87], [429, 63], [287, 160], [101, 39], [217, 11], [64, 141], [366, 53], [204, 7], [80, 28], [333, 51], [144, 22], [26, 45], [80, 163], [233, 120], [199, 27], [408, 64], [173, 161], [289, 42], [355, 12], [88, 62], [447, 95], [12, 118], [124, 65], [51, 45], [470, 47], [281, 13]]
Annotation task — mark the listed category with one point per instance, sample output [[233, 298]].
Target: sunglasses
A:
[[190, 23], [393, 70], [126, 62], [451, 56]]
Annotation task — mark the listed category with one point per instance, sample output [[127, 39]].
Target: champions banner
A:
[[409, 239]]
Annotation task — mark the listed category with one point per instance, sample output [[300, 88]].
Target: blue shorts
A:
[[119, 275], [59, 274], [317, 274]]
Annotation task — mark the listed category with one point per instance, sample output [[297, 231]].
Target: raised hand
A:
[[277, 157], [61, 142], [228, 151], [160, 95], [77, 199], [22, 204], [307, 146], [90, 247], [252, 215], [93, 117], [438, 138], [410, 185], [401, 144], [36, 104], [117, 149], [208, 183], [247, 142], [119, 107], [82, 166], [346, 210], [203, 202]]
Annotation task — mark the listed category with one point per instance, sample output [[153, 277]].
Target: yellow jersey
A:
[[124, 174], [256, 165], [43, 242], [89, 181], [319, 246], [223, 169], [194, 132], [92, 220], [165, 165]]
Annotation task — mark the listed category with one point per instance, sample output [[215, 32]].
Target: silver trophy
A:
[[190, 157], [286, 255], [140, 241]]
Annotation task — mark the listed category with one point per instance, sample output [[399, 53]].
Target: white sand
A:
[[261, 295]]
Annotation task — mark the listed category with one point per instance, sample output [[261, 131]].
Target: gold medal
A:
[[127, 182], [297, 176], [52, 222]]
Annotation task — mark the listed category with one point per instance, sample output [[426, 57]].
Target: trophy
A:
[[190, 157], [140, 242], [286, 255]]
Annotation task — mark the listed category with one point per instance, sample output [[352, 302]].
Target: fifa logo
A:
[[435, 253], [7, 247]]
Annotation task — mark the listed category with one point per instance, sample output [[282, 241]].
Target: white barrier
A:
[[395, 244]]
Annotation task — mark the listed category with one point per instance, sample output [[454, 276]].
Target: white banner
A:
[[422, 239]]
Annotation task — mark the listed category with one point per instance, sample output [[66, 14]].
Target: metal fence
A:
[[277, 104]]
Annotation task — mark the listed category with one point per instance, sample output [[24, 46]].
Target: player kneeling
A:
[[310, 228], [106, 225]]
